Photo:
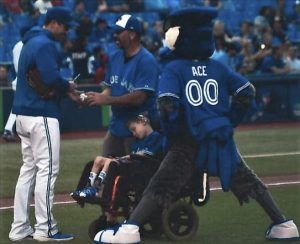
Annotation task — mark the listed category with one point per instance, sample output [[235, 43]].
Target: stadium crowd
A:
[[264, 42]]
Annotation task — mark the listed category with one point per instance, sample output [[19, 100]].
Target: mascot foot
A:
[[286, 230], [126, 233]]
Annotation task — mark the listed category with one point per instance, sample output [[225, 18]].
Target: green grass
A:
[[268, 140], [75, 153], [222, 220]]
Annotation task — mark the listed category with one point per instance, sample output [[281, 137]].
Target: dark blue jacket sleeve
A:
[[47, 64], [243, 103]]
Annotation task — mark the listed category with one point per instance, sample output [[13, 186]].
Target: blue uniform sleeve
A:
[[47, 64], [169, 84], [147, 76], [243, 97], [236, 82]]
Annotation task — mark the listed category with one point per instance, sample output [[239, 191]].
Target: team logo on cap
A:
[[122, 21]]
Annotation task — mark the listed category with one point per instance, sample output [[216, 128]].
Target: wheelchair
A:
[[178, 222]]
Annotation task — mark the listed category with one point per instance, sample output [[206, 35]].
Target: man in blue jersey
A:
[[40, 89], [200, 102], [131, 81]]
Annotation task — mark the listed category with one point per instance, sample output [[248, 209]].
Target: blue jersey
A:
[[203, 88], [150, 145], [140, 72]]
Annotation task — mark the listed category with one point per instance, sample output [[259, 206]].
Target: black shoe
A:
[[79, 200], [8, 136]]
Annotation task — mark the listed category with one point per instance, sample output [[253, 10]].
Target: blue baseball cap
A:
[[61, 15], [128, 22]]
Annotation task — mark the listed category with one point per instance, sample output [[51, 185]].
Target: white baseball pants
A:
[[40, 140]]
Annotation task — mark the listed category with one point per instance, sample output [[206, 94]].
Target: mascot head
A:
[[189, 32]]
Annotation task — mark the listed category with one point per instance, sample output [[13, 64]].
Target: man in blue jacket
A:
[[36, 103]]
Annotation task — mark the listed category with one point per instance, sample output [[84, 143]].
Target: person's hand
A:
[[75, 97], [95, 98], [72, 86]]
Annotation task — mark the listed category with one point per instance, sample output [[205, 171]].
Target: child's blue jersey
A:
[[203, 88], [150, 145], [140, 72]]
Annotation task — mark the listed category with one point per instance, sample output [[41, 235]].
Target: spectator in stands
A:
[[220, 52], [43, 5], [292, 60], [294, 16], [265, 16], [67, 67], [278, 30], [280, 11], [274, 62], [12, 6], [113, 6], [152, 39], [85, 26], [26, 6], [248, 63], [261, 25], [263, 49], [101, 32], [97, 65], [234, 57], [4, 76], [223, 34], [80, 56], [246, 32], [79, 10]]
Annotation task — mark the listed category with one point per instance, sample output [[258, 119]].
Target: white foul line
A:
[[212, 189], [270, 155]]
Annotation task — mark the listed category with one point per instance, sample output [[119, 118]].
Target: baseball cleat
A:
[[88, 192], [286, 230], [126, 233], [26, 238], [8, 136], [56, 237]]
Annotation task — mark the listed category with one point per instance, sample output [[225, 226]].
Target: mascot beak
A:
[[171, 36]]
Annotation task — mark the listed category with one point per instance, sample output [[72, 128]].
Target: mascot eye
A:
[[171, 36]]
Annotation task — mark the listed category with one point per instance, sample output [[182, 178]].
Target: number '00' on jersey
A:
[[204, 87]]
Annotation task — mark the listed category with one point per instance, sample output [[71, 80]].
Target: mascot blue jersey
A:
[[203, 88], [124, 76], [150, 145]]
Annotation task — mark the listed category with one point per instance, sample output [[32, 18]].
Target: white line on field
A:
[[270, 155], [212, 189], [270, 184]]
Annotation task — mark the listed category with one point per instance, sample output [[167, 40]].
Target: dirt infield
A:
[[7, 203]]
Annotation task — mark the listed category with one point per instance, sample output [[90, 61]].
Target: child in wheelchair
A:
[[144, 159]]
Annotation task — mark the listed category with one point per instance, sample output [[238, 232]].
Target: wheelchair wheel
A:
[[97, 225], [180, 221]]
